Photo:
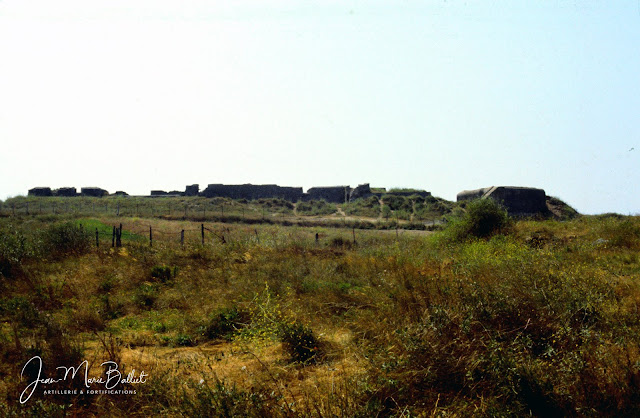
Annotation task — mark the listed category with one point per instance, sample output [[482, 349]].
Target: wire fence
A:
[[141, 233], [199, 211]]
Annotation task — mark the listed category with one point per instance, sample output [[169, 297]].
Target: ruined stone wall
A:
[[472, 194], [519, 201], [93, 191], [412, 193], [192, 190], [253, 191], [335, 194], [361, 192], [41, 191], [66, 192]]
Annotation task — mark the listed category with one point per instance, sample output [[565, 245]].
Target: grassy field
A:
[[268, 319]]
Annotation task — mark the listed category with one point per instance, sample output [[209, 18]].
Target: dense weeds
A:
[[532, 317]]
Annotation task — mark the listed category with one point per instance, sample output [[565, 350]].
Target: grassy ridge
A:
[[535, 317]]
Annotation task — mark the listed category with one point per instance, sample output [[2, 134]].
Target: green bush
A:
[[363, 207], [315, 207], [398, 203], [162, 273], [482, 219], [14, 249], [224, 323], [300, 342], [66, 239]]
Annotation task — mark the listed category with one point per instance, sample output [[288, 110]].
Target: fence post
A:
[[97, 239], [182, 238], [150, 237], [202, 229], [257, 237], [317, 238], [119, 237]]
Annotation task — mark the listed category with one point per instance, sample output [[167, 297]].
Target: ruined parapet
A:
[[66, 192], [192, 190], [421, 193], [253, 191], [519, 201], [334, 194], [40, 192], [360, 192], [156, 193], [472, 194], [93, 191]]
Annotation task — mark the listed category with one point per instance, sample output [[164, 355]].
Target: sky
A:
[[138, 95]]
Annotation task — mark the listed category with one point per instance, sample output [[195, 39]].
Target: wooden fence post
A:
[[202, 229], [150, 237], [119, 236], [97, 239]]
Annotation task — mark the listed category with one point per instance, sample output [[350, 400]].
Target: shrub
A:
[[146, 295], [162, 273], [398, 203], [224, 323], [363, 207], [300, 342], [315, 207], [65, 239], [483, 218], [14, 249]]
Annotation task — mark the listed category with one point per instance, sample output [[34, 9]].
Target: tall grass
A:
[[513, 318]]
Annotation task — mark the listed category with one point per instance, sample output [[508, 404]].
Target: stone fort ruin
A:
[[518, 201], [332, 194]]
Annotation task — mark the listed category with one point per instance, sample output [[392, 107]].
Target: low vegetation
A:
[[489, 317], [315, 208]]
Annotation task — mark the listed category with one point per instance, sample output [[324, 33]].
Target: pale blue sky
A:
[[440, 95]]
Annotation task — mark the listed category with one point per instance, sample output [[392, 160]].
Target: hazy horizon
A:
[[443, 96]]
